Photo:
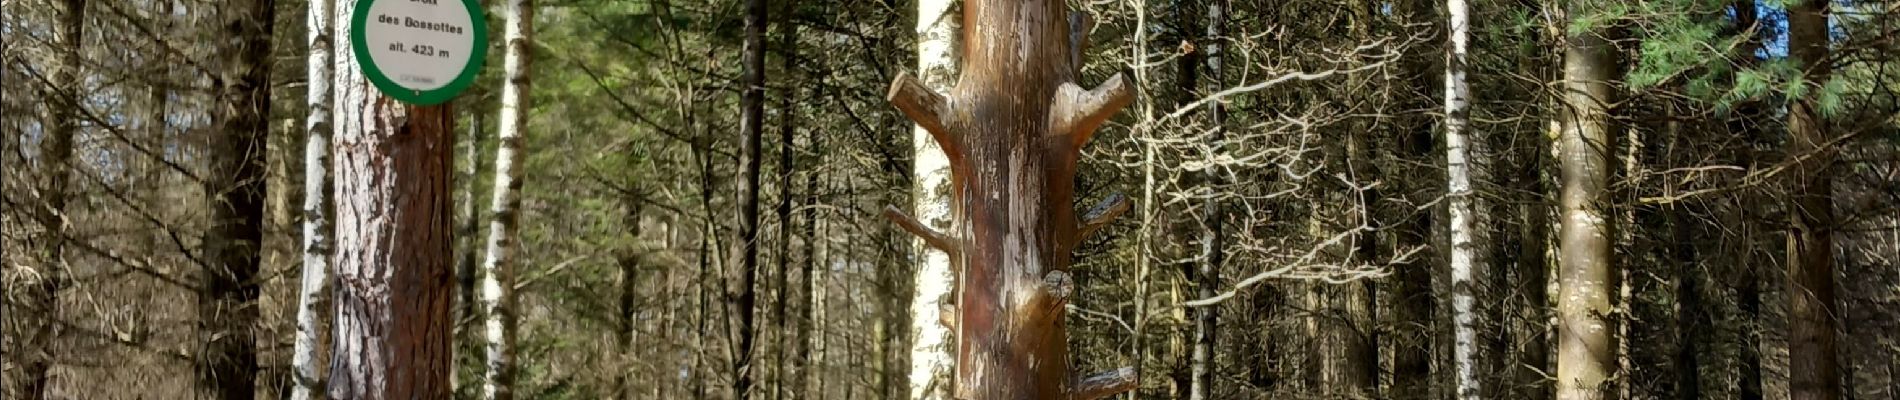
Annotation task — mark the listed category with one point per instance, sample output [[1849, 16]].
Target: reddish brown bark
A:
[[393, 278], [1012, 129]]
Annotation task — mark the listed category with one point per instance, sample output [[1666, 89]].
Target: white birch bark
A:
[[498, 278], [932, 346], [313, 290], [1464, 162]]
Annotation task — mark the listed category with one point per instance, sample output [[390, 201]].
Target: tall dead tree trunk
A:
[[740, 295], [38, 347], [1413, 304], [1812, 310], [1012, 130], [313, 290], [930, 354], [498, 278], [393, 280], [227, 304], [1587, 318]]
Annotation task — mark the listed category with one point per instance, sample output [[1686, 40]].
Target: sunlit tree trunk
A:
[[1813, 313], [930, 353], [1465, 162], [498, 271], [1587, 320], [39, 347], [393, 282], [227, 304], [313, 290], [1012, 130]]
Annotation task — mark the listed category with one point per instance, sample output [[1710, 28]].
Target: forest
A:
[[952, 199]]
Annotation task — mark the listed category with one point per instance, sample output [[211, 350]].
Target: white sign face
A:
[[419, 45]]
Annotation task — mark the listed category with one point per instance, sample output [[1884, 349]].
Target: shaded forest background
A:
[[1325, 169]]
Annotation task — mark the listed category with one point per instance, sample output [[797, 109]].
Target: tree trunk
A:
[[1213, 247], [227, 305], [1748, 290], [40, 345], [1188, 25], [1587, 323], [740, 295], [498, 278], [930, 357], [468, 230], [1812, 310], [393, 278], [625, 314], [786, 129], [1012, 135], [313, 291], [1465, 160]]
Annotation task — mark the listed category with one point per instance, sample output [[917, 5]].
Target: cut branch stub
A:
[[1105, 384], [1101, 215], [928, 109], [931, 237], [1078, 113]]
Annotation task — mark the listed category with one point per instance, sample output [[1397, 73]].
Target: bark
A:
[[1013, 134], [787, 117], [1465, 160], [1812, 308], [393, 241], [227, 304], [1587, 320], [930, 353], [740, 296], [498, 279], [40, 344], [1213, 249], [313, 292]]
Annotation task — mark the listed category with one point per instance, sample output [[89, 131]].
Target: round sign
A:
[[422, 52]]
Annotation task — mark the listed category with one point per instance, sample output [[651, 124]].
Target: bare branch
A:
[[1079, 112], [927, 108], [1104, 384], [930, 236]]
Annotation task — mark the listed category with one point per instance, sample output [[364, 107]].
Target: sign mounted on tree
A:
[[421, 52]]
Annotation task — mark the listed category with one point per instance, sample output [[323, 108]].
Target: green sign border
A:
[[360, 18]]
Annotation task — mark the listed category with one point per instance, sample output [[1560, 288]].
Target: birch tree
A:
[[1464, 152], [313, 287], [393, 278], [931, 362], [498, 278], [1586, 315]]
